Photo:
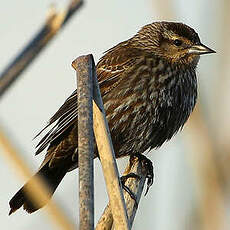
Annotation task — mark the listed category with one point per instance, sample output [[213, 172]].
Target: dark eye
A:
[[177, 42]]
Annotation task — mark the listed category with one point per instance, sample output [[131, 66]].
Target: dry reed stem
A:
[[36, 190], [136, 186]]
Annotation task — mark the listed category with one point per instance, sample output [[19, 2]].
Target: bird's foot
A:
[[148, 165], [127, 189]]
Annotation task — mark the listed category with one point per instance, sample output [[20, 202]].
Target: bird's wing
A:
[[111, 67], [109, 71], [64, 118]]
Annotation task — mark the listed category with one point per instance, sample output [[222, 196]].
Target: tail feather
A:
[[52, 176], [17, 201]]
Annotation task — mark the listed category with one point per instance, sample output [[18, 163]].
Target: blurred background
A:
[[192, 171]]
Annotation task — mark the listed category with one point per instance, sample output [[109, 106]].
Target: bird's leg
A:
[[148, 165]]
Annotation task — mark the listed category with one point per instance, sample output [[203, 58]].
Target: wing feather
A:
[[110, 70], [64, 118]]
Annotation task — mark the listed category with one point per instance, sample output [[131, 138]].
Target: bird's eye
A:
[[177, 42]]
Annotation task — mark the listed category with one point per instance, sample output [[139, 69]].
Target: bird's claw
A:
[[148, 165], [127, 189]]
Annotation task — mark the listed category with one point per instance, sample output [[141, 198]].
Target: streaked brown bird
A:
[[149, 88]]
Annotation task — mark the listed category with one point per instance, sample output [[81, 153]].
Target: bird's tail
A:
[[52, 177]]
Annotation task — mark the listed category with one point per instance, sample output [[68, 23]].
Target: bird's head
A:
[[175, 42]]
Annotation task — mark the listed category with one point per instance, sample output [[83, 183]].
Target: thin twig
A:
[[83, 67], [36, 190], [54, 23]]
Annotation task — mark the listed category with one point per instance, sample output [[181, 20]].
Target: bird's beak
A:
[[200, 49]]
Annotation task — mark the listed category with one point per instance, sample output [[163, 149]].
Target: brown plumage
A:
[[149, 88]]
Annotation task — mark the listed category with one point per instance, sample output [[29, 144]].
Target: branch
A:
[[136, 186], [108, 161], [83, 67], [107, 157], [54, 23]]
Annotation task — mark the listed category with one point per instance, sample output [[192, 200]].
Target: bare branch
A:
[[83, 66], [54, 23], [108, 161], [136, 186]]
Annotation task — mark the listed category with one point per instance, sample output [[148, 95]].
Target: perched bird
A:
[[149, 88]]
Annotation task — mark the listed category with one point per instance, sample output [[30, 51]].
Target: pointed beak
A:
[[200, 49]]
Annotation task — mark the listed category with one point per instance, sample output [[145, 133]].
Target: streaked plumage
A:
[[149, 88]]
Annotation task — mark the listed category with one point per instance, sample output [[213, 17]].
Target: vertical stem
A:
[[83, 66]]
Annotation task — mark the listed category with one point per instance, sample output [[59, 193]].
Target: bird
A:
[[148, 85]]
